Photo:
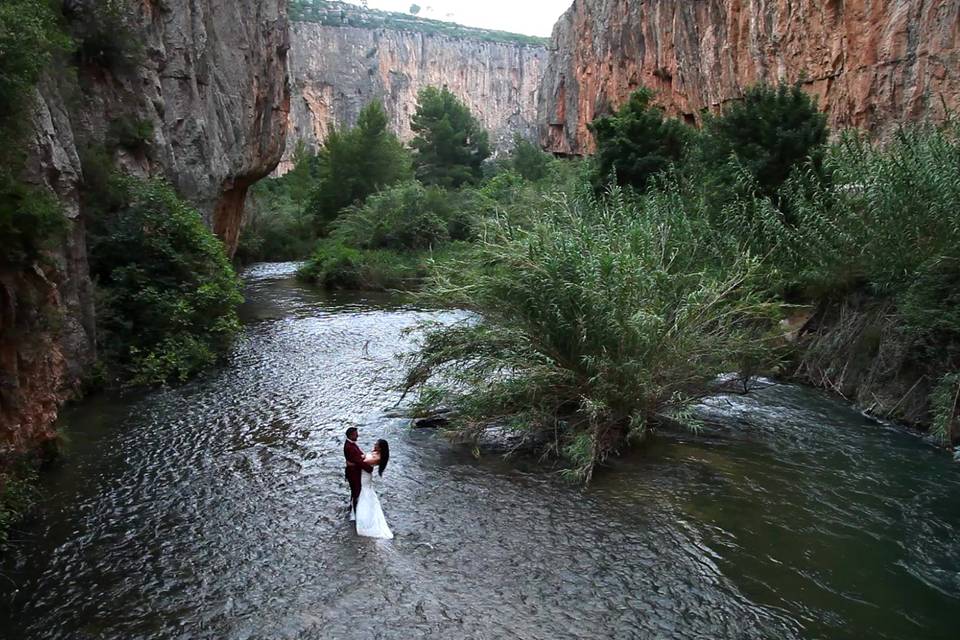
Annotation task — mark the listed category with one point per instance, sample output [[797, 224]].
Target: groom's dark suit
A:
[[355, 467]]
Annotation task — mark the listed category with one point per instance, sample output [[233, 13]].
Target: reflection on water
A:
[[218, 510]]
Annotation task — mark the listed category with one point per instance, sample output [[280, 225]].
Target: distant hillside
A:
[[341, 14]]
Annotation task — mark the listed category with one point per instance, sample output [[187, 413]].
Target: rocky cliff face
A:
[[872, 64], [212, 82], [336, 70]]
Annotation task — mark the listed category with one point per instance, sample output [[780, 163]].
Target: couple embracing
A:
[[365, 505]]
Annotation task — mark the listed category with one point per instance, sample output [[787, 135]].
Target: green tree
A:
[[356, 163], [768, 133], [529, 160], [637, 142], [450, 146]]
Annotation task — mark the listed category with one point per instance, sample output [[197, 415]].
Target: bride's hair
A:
[[384, 448]]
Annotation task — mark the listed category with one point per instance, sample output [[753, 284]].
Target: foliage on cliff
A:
[[450, 146], [168, 295], [30, 219], [340, 14]]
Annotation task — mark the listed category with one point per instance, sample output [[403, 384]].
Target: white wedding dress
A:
[[369, 515]]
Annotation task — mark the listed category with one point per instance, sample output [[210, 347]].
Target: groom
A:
[[355, 465]]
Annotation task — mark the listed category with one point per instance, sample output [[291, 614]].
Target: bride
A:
[[370, 520]]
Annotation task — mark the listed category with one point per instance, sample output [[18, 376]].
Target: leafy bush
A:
[[169, 294], [450, 145], [945, 405], [356, 163], [18, 493], [530, 161], [603, 319], [277, 225], [336, 266], [129, 133], [30, 221], [637, 142], [409, 217]]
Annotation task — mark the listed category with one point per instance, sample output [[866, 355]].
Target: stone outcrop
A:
[[337, 69], [211, 80], [871, 64]]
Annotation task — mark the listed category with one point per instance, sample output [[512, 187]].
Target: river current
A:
[[218, 510]]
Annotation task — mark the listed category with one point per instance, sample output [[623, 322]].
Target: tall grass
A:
[[604, 318]]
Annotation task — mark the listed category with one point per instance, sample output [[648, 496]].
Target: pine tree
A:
[[450, 146]]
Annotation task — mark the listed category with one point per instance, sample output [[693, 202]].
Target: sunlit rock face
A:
[[872, 64], [336, 70]]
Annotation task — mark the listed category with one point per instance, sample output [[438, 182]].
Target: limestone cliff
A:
[[210, 77], [871, 64], [336, 69]]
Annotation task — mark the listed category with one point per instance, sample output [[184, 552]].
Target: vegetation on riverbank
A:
[[388, 231], [168, 295], [608, 314]]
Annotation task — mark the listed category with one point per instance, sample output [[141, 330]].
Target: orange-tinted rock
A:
[[872, 64]]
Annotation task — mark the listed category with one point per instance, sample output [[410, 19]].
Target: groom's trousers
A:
[[353, 479]]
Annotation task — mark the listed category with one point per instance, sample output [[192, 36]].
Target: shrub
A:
[[530, 161], [18, 494], [29, 37], [335, 266], [30, 221], [106, 35], [600, 321], [169, 295], [276, 226], [408, 217], [637, 142], [129, 133]]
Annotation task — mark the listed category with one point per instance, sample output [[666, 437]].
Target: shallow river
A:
[[218, 510]]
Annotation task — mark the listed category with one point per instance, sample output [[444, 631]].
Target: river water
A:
[[218, 510]]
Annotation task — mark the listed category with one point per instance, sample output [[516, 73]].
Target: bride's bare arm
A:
[[372, 458]]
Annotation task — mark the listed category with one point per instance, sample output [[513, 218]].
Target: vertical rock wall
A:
[[212, 80], [871, 63], [336, 70]]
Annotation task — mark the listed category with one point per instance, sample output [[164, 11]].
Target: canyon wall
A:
[[337, 69], [210, 77], [871, 63]]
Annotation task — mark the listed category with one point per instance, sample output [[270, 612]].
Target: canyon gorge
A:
[[231, 88]]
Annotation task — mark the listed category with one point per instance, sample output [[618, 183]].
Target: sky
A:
[[531, 17]]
